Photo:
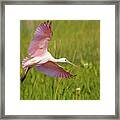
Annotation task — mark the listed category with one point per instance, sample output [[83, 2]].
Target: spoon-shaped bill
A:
[[72, 63]]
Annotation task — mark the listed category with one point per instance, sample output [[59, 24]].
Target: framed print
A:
[[60, 59], [51, 71]]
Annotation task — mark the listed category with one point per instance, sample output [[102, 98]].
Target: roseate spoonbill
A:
[[41, 58]]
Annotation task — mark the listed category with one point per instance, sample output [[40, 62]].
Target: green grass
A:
[[79, 42]]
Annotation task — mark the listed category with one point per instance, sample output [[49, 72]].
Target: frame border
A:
[[117, 58]]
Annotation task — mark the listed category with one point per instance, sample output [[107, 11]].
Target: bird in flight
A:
[[41, 58]]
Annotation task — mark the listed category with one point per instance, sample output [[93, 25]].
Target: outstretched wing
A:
[[52, 69], [39, 44]]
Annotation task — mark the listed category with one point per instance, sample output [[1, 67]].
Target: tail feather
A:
[[24, 62]]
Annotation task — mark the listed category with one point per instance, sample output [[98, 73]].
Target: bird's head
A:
[[64, 60]]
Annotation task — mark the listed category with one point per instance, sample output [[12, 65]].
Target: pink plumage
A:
[[40, 57], [52, 69], [39, 44]]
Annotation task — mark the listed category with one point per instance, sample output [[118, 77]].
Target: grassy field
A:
[[79, 42]]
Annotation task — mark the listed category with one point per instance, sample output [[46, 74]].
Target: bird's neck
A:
[[54, 59], [58, 60]]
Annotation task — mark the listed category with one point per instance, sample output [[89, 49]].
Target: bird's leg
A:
[[27, 64], [24, 74]]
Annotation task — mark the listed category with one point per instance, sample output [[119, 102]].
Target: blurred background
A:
[[79, 42]]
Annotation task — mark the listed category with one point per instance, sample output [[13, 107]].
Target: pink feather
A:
[[39, 44], [52, 69]]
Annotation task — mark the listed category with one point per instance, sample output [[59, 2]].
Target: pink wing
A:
[[52, 69], [39, 44]]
